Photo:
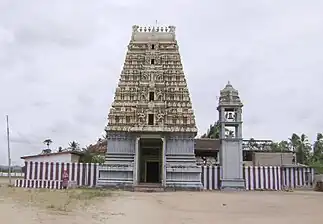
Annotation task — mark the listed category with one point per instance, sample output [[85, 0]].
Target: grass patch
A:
[[62, 201]]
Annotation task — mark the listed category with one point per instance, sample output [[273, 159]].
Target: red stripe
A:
[[56, 171], [89, 174], [46, 170], [73, 172], [41, 170], [94, 174], [36, 170], [51, 176], [62, 170], [68, 170], [30, 170], [78, 175]]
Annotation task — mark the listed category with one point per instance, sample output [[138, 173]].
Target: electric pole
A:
[[9, 157]]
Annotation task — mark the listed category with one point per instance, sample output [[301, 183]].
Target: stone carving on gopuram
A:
[[151, 101]]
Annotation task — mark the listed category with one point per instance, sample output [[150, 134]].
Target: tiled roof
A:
[[207, 144]]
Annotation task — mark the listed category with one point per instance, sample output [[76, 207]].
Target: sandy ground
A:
[[27, 206]]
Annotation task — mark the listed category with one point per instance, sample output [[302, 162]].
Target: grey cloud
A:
[[60, 64]]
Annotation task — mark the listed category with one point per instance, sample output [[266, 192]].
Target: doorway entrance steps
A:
[[148, 187]]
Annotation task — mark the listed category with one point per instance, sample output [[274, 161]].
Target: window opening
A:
[[151, 96], [150, 119], [128, 119]]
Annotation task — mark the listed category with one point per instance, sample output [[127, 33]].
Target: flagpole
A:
[[9, 157]]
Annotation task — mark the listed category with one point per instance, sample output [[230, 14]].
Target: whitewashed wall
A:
[[59, 158]]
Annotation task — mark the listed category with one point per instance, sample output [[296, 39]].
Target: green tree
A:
[[89, 157], [318, 148], [301, 147], [252, 144], [48, 142], [214, 131], [74, 146], [284, 146]]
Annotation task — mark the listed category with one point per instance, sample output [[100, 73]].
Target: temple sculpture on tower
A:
[[151, 124]]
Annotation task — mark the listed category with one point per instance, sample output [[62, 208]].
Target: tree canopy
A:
[[306, 153]]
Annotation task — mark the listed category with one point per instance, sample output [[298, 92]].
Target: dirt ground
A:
[[31, 206]]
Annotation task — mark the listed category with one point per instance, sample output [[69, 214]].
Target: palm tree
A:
[[74, 145], [48, 142], [302, 147], [318, 147], [304, 150], [294, 142]]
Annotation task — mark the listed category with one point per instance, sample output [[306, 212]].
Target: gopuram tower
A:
[[151, 124]]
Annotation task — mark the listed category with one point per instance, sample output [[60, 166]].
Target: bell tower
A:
[[230, 118]]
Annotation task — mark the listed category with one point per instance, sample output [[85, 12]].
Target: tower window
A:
[[184, 120], [152, 61], [151, 96], [150, 119], [128, 119], [117, 119], [153, 46]]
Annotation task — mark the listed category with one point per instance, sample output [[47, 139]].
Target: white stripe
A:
[[28, 170], [60, 171], [262, 184], [48, 171], [271, 177], [70, 172], [33, 170], [92, 174], [210, 177], [81, 174], [75, 171]]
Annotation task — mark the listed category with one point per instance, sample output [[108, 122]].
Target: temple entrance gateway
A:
[[150, 160]]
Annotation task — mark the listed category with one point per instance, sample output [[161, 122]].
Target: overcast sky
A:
[[60, 62]]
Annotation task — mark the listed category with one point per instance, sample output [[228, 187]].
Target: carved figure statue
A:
[[143, 96], [160, 117], [142, 117]]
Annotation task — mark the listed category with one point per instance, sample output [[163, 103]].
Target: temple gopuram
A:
[[151, 124]]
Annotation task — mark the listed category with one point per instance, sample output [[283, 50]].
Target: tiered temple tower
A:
[[151, 124], [230, 118]]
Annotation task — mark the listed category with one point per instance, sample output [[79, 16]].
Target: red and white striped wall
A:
[[83, 174], [51, 184], [49, 175], [262, 177], [298, 177]]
